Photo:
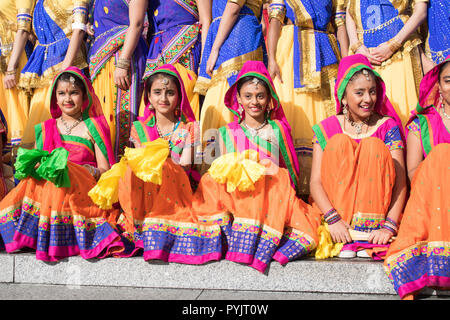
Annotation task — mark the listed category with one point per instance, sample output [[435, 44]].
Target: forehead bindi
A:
[[163, 83], [253, 87]]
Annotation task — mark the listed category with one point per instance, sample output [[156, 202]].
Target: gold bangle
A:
[[123, 63], [354, 47], [11, 72], [394, 45]]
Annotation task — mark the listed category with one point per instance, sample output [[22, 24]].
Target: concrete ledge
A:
[[358, 276], [7, 268]]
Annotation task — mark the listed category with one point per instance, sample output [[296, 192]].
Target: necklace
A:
[[169, 134], [254, 131], [445, 113], [68, 127], [357, 125]]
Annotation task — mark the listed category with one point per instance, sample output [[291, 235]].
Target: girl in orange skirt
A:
[[152, 181], [250, 190], [419, 257], [358, 177], [50, 210]]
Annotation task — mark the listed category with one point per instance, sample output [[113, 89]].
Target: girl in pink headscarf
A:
[[358, 174], [419, 257], [50, 210], [250, 190]]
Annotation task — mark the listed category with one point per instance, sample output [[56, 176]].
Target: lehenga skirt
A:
[[56, 222], [258, 225], [159, 219], [419, 257]]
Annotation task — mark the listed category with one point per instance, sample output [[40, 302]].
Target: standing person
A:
[[358, 178], [437, 45], [59, 26], [303, 61], [50, 210], [418, 258], [234, 37], [250, 190], [15, 27], [386, 33], [151, 182], [178, 28], [117, 63]]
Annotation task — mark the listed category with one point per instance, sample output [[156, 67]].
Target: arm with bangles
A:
[[20, 41], [277, 13], [137, 10], [338, 228]]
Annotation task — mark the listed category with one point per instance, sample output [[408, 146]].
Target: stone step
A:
[[333, 276]]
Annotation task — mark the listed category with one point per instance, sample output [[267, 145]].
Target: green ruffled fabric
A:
[[53, 166]]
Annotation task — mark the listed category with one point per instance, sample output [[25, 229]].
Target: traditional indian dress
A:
[[175, 39], [53, 22], [358, 172], [245, 42], [378, 21], [50, 210], [255, 203], [14, 15], [308, 57], [155, 194], [121, 108], [437, 45], [419, 257]]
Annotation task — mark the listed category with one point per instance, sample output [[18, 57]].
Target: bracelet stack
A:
[[331, 216], [354, 47], [123, 63], [390, 225], [394, 45], [11, 72]]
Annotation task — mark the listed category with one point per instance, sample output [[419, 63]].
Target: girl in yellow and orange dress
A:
[[419, 257], [152, 180], [250, 190], [50, 210], [358, 174]]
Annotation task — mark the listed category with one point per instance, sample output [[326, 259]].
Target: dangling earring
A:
[[150, 106], [345, 109]]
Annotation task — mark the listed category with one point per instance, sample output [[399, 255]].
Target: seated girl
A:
[[50, 210], [153, 186], [358, 174], [418, 257], [250, 189]]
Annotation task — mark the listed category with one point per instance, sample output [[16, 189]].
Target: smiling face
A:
[[361, 96], [70, 98], [164, 95], [444, 83], [254, 98]]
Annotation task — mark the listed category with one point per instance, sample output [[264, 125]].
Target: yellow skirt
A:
[[214, 113], [15, 105], [39, 112], [106, 91], [302, 108]]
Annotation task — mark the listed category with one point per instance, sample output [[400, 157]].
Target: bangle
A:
[[391, 226], [123, 63], [394, 45], [11, 72], [331, 216], [354, 47]]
